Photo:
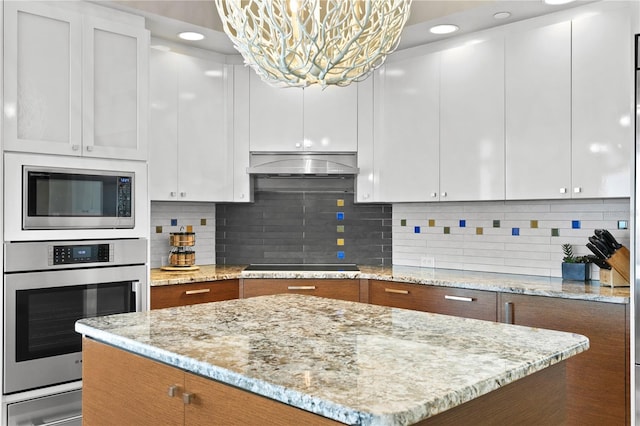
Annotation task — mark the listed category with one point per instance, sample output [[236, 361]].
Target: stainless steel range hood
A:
[[303, 163]]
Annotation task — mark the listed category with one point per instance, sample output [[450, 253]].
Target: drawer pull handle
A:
[[201, 291], [394, 291], [301, 287], [173, 391], [188, 398], [458, 298]]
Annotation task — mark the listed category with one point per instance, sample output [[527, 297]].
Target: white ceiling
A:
[[166, 18]]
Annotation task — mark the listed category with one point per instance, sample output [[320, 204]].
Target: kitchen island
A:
[[336, 361]]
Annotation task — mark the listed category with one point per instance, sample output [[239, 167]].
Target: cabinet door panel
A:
[[472, 122], [334, 289], [190, 294], [602, 78], [538, 113], [407, 130], [331, 118], [42, 78]]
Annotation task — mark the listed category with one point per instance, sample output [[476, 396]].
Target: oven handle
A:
[[60, 421], [135, 288]]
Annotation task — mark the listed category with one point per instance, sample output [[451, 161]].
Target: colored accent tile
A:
[[515, 231], [575, 224], [340, 215], [534, 224], [623, 224], [340, 241], [340, 255], [447, 230], [416, 229], [189, 228], [463, 223], [174, 222], [479, 230], [496, 224], [432, 223], [203, 222], [340, 228], [158, 229], [403, 222], [555, 232], [340, 203]]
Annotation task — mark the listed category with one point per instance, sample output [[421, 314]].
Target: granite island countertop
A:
[[506, 283], [351, 362]]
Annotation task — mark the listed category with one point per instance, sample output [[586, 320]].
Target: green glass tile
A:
[[203, 222], [555, 232], [432, 223], [534, 224], [447, 230], [403, 222], [496, 224], [158, 229], [479, 230], [340, 228]]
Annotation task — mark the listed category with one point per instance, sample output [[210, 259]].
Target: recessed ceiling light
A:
[[191, 36], [444, 29], [502, 15], [557, 2]]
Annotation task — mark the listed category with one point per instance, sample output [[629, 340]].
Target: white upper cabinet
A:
[[74, 84], [472, 122], [191, 129], [407, 130], [295, 119], [602, 100], [538, 113]]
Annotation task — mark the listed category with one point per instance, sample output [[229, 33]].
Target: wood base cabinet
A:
[[190, 294], [598, 379], [335, 289]]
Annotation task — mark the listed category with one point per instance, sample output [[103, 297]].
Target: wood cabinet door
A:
[[333, 289], [191, 294], [120, 388], [597, 392]]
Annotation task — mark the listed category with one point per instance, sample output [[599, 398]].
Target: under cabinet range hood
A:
[[303, 163]]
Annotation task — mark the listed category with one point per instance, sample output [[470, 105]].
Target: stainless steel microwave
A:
[[59, 198]]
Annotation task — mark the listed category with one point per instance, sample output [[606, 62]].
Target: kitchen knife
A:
[[596, 251], [607, 237], [604, 249], [602, 264]]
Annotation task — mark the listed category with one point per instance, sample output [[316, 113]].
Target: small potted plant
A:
[[574, 268]]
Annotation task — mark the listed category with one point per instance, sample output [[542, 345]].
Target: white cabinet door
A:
[[364, 178], [602, 101], [472, 122], [242, 181], [538, 113], [407, 130], [275, 117], [331, 118], [115, 90], [163, 125], [42, 78]]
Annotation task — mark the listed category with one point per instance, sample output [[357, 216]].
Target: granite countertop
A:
[[351, 362], [506, 283]]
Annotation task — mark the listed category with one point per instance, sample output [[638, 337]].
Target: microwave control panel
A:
[[89, 253], [124, 196]]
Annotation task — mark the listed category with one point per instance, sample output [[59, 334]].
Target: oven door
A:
[[40, 310]]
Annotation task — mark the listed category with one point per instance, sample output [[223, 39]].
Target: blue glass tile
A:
[[463, 223], [623, 224], [340, 215], [416, 229], [515, 231], [174, 222], [575, 224], [340, 255]]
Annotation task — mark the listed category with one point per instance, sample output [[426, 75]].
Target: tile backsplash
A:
[[520, 237], [169, 216]]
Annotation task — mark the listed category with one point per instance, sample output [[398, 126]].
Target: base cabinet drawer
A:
[[333, 289], [190, 294], [476, 304]]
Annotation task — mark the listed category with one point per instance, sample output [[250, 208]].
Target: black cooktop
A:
[[303, 267]]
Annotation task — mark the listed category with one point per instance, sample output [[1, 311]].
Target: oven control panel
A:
[[85, 253]]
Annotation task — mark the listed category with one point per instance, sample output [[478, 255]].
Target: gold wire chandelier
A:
[[304, 42]]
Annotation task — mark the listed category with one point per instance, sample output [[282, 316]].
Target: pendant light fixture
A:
[[304, 42]]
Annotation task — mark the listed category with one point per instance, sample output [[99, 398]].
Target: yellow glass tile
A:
[[189, 228], [340, 203], [203, 222], [534, 223], [340, 228], [432, 222], [340, 241], [479, 230]]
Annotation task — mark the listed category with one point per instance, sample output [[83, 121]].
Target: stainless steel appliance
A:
[[60, 198], [636, 228], [48, 285]]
